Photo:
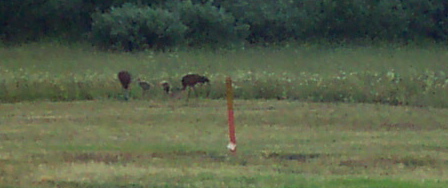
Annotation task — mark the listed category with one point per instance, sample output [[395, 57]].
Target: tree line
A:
[[162, 24]]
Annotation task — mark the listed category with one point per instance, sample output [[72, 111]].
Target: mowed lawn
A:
[[144, 143]]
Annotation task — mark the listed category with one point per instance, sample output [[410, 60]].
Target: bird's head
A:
[[165, 85], [204, 79]]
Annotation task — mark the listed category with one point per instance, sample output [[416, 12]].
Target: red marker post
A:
[[232, 137]]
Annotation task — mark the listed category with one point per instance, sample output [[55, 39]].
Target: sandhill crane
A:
[[125, 80], [190, 80], [144, 85], [172, 92], [166, 86]]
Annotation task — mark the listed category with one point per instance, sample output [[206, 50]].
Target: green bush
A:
[[275, 21], [147, 24], [29, 20], [271, 21], [135, 28], [208, 25], [428, 18], [284, 20]]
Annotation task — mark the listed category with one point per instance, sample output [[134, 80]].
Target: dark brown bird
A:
[[190, 80], [172, 92], [144, 85], [125, 80], [166, 86]]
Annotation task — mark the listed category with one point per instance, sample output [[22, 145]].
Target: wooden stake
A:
[[229, 94]]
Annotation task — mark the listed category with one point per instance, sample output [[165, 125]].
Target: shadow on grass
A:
[[122, 157], [295, 156], [406, 161], [87, 185]]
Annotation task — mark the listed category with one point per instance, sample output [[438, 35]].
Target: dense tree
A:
[[218, 22]]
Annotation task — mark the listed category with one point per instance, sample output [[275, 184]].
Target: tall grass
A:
[[386, 74]]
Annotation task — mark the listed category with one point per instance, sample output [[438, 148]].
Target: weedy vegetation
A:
[[394, 75], [325, 97], [157, 141]]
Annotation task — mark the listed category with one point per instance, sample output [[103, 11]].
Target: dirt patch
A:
[[409, 126], [408, 161], [4, 136], [265, 108], [114, 157], [72, 184], [401, 126], [436, 148], [294, 156], [367, 163]]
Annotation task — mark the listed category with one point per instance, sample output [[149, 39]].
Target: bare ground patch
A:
[[387, 162], [409, 126], [300, 157], [127, 157]]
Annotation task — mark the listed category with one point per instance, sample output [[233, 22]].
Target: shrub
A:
[[271, 21], [428, 18], [135, 28], [208, 25]]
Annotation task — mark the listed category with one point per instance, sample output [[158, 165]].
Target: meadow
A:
[[280, 144], [388, 74], [306, 116]]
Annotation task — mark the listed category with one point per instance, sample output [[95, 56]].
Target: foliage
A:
[[29, 20], [208, 25], [390, 75], [130, 27], [275, 21], [219, 22]]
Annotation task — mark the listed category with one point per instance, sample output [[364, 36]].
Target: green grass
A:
[[398, 75], [162, 142], [170, 144]]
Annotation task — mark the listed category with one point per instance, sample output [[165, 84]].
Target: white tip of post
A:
[[231, 146]]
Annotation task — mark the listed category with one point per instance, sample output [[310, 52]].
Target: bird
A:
[[144, 85], [190, 80], [172, 92], [125, 79], [166, 86]]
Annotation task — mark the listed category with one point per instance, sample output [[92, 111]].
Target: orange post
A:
[[229, 93]]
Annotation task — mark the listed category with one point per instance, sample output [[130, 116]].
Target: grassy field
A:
[[350, 141], [156, 143], [389, 74]]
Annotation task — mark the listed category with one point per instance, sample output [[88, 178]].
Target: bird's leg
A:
[[188, 93], [195, 92], [209, 89], [126, 94]]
